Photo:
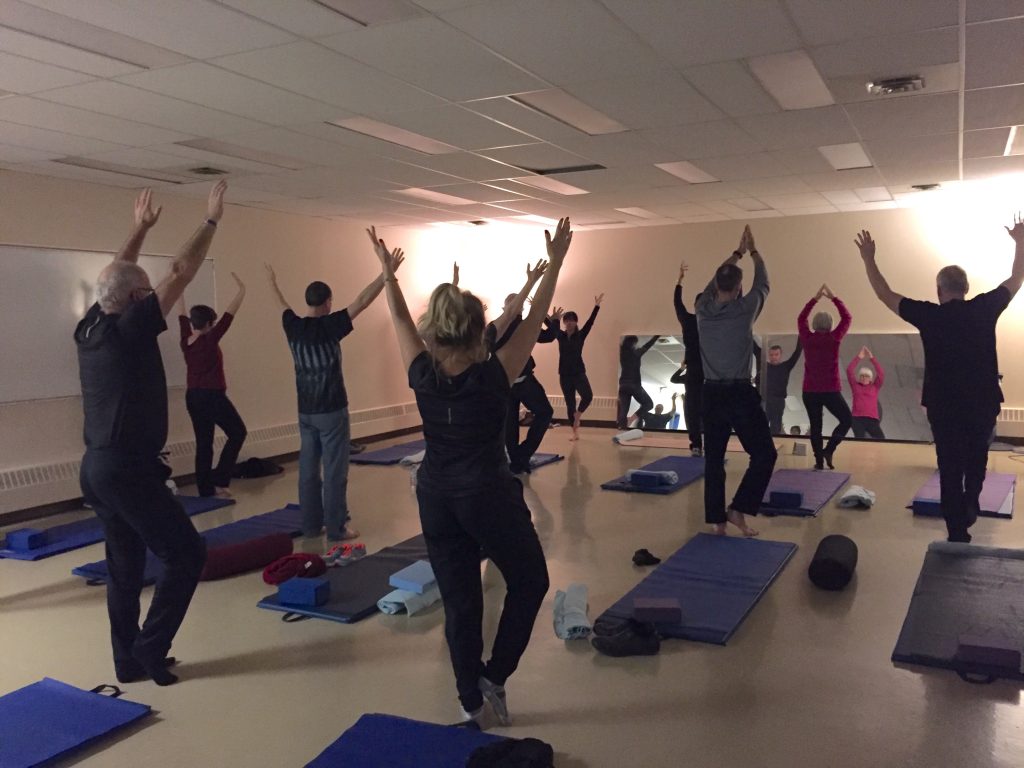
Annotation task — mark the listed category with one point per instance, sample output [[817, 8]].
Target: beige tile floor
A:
[[806, 681]]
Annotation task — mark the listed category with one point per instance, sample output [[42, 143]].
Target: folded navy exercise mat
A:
[[997, 496], [82, 533], [688, 469], [388, 456], [815, 487], [50, 719]]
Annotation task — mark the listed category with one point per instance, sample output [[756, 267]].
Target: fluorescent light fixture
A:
[[434, 197], [843, 157], [537, 219], [1010, 139], [792, 80], [243, 153], [873, 194], [560, 106], [750, 204], [687, 171], [640, 213], [551, 185], [368, 12], [394, 135]]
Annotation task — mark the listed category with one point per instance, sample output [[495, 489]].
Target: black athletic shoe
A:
[[819, 463], [631, 639], [643, 557], [828, 461]]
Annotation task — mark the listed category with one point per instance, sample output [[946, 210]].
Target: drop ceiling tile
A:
[[941, 78], [682, 210], [914, 150], [366, 144], [44, 114], [784, 185], [12, 155], [539, 156], [215, 88], [561, 41], [987, 167], [802, 161], [888, 56], [117, 99], [987, 10], [21, 75], [440, 6], [877, 206], [193, 27], [801, 200], [830, 21], [310, 207], [619, 179], [687, 33], [730, 87], [459, 127], [811, 211], [990, 142], [618, 150], [995, 54], [930, 173], [525, 119], [431, 54], [318, 73], [321, 182], [481, 193], [236, 194], [64, 171], [994, 107], [801, 128], [853, 178], [191, 156], [143, 159], [467, 165], [288, 144], [694, 142], [654, 100], [907, 116], [61, 55], [759, 215], [735, 167], [306, 19], [52, 142]]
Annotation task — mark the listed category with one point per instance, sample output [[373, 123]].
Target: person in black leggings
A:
[[572, 373], [630, 388], [469, 500], [692, 376]]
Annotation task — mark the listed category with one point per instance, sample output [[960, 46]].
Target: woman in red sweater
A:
[[866, 385], [206, 396], [822, 388]]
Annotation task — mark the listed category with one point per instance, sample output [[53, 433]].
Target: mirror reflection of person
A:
[[776, 388], [866, 384], [630, 387], [572, 372], [691, 375], [659, 419]]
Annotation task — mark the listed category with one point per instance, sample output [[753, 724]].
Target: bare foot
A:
[[223, 493], [718, 529], [348, 533], [739, 520]]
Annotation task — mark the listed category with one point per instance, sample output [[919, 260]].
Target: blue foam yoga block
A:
[[25, 539], [786, 499], [644, 479], [305, 592], [414, 578]]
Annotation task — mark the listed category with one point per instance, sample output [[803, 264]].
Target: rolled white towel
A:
[[413, 459], [666, 477], [629, 434]]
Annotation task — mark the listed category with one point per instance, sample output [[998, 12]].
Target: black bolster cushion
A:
[[833, 563], [252, 555]]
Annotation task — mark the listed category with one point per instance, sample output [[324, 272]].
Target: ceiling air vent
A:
[[478, 223], [891, 85], [924, 187], [564, 169], [207, 170]]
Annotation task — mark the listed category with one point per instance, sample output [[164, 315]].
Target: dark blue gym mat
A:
[[688, 468], [390, 455], [816, 486]]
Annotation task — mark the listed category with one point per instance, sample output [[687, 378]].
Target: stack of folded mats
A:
[[415, 590]]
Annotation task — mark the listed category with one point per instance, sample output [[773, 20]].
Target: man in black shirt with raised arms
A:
[[776, 387], [124, 398], [961, 373]]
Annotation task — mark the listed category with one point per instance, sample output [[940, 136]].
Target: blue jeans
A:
[[325, 437]]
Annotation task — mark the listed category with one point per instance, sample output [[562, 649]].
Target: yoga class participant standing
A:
[[206, 395], [693, 367], [726, 319], [822, 388], [124, 398], [315, 344], [866, 384], [776, 388], [961, 373], [572, 373], [469, 501], [630, 388]]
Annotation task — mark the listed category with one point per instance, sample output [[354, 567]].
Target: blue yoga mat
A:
[[287, 520], [543, 459], [717, 581], [997, 495], [688, 468], [46, 720], [385, 741], [82, 533], [390, 455], [816, 486]]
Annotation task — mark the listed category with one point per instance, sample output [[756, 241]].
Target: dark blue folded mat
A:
[[82, 533], [966, 595], [816, 486], [49, 719], [543, 459], [688, 468], [287, 520], [385, 741], [356, 587], [390, 455], [717, 581]]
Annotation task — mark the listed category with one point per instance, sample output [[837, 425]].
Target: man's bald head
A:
[[119, 285]]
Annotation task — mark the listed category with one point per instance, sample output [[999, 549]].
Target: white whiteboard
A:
[[44, 292]]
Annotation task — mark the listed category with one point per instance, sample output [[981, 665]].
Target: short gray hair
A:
[[866, 371], [822, 322], [953, 279], [116, 284]]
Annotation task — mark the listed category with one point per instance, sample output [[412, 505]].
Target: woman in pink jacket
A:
[[866, 385]]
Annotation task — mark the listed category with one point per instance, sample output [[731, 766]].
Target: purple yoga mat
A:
[[816, 486], [998, 486]]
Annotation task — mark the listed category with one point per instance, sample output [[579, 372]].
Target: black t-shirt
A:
[[777, 376], [124, 390], [656, 420], [463, 424], [547, 334], [961, 369], [314, 342], [570, 348]]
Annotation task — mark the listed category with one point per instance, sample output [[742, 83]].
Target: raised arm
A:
[[759, 289], [145, 218], [851, 369], [801, 320], [879, 372], [885, 294], [709, 291], [795, 357], [647, 347], [1016, 278], [682, 314], [587, 326], [549, 333], [190, 256], [272, 278], [678, 376], [184, 324], [675, 396], [845, 318], [409, 342], [365, 297], [236, 302], [516, 352], [515, 308]]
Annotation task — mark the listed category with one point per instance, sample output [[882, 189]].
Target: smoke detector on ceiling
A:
[[891, 85]]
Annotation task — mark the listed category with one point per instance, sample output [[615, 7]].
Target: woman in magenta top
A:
[[822, 388], [866, 384]]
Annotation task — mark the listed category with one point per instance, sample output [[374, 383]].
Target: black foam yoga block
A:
[[834, 562]]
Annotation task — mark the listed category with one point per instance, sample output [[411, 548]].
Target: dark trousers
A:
[[530, 393], [815, 403], [211, 408], [961, 447], [728, 407], [775, 407], [139, 512], [496, 521], [629, 391], [571, 385], [864, 425], [693, 404]]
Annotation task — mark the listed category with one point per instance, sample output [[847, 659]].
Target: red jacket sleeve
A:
[[221, 326], [879, 373], [851, 371], [845, 319], [801, 321]]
